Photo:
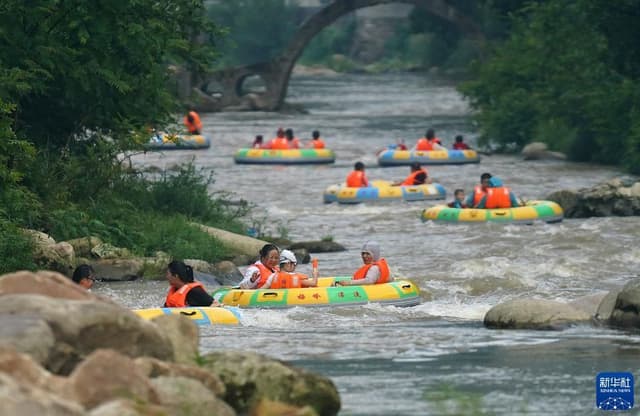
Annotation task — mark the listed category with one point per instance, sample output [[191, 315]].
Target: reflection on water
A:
[[435, 358]]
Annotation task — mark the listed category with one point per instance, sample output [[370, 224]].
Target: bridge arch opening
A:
[[250, 84]]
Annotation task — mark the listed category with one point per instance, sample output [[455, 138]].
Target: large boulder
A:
[[186, 396], [25, 399], [106, 375], [46, 283], [626, 312], [28, 334], [534, 314], [239, 244], [251, 377], [81, 326], [83, 246], [152, 367], [183, 334], [51, 255], [616, 197]]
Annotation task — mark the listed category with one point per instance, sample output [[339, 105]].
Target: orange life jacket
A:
[[279, 143], [195, 126], [478, 194], [317, 143], [424, 144], [265, 272], [411, 179], [294, 144], [498, 198], [286, 280], [357, 179], [177, 298], [361, 273]]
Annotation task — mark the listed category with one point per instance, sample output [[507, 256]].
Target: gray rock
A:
[[28, 334], [534, 314], [106, 375], [606, 306], [20, 399], [616, 197], [321, 246], [540, 151], [80, 327], [626, 312], [186, 396], [183, 334], [251, 377]]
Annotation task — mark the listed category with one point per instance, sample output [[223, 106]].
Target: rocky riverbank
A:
[[66, 351]]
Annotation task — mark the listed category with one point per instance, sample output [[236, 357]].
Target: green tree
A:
[[562, 78], [258, 30]]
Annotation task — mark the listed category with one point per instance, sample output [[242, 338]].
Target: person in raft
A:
[[257, 142], [183, 290], [316, 142], [428, 142], [292, 141], [374, 270], [84, 275], [418, 176], [479, 191], [357, 177], [279, 142], [261, 274], [192, 122], [497, 196], [288, 278], [458, 199], [460, 144]]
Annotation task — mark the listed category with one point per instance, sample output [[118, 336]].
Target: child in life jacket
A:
[[288, 278], [458, 199]]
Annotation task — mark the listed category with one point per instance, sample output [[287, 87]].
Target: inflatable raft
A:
[[284, 156], [397, 293], [178, 142], [381, 191], [547, 211], [430, 157], [201, 316]]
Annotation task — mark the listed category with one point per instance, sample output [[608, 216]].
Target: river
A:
[[435, 358]]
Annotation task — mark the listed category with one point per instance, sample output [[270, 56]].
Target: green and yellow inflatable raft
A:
[[397, 293], [284, 156], [547, 211], [201, 316]]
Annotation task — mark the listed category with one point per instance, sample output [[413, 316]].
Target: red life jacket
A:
[[411, 179], [177, 298], [361, 273], [478, 194], [357, 179], [460, 146], [498, 198], [424, 144]]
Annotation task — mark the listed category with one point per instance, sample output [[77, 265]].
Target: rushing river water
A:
[[435, 358]]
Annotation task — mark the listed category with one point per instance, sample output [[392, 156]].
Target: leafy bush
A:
[[16, 249]]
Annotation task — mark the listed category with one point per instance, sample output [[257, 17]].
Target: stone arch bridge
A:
[[275, 73]]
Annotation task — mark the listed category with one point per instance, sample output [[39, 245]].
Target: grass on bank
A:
[[142, 213]]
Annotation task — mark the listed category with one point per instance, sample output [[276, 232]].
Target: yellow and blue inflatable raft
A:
[[547, 211], [165, 141], [427, 157], [284, 156], [381, 191], [397, 293], [201, 316]]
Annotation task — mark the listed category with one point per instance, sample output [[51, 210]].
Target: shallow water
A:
[[435, 358]]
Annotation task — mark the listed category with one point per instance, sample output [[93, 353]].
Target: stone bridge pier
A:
[[223, 89]]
